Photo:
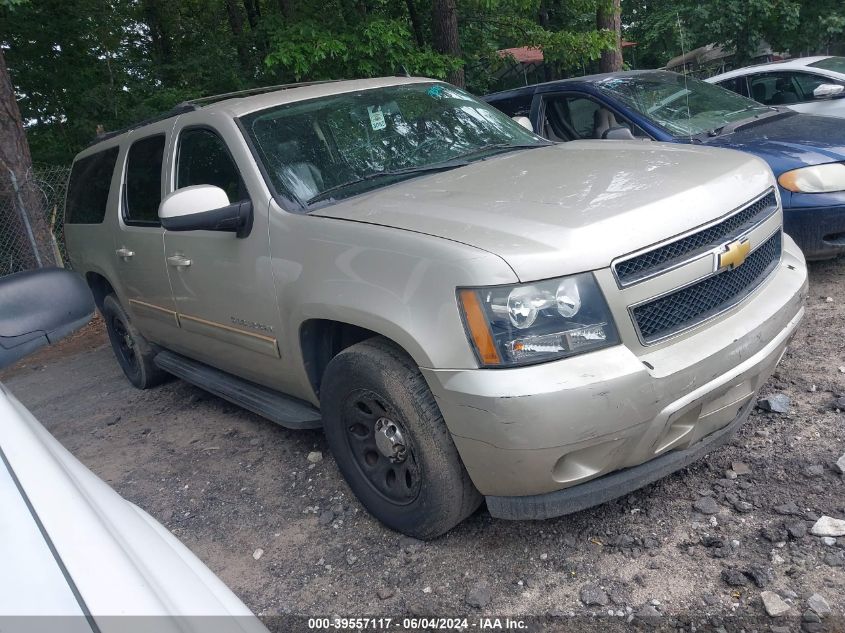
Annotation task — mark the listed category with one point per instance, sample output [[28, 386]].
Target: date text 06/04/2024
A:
[[412, 624]]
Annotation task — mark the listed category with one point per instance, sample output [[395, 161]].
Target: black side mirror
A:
[[39, 307], [205, 208], [618, 133]]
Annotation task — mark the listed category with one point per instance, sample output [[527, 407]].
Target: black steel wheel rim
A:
[[125, 344], [394, 476]]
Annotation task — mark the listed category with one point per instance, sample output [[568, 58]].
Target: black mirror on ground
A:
[[39, 307]]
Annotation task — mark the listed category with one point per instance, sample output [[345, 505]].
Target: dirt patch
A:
[[227, 482]]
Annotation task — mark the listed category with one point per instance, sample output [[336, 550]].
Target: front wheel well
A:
[[100, 288], [321, 340]]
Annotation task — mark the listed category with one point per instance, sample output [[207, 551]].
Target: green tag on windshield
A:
[[376, 118]]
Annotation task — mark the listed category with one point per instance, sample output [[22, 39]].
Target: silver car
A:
[[468, 311], [813, 85]]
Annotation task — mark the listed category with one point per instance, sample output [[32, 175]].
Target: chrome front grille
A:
[[665, 257], [682, 309]]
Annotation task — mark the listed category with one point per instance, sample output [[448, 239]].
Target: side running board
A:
[[284, 410]]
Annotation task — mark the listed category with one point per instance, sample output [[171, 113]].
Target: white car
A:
[[70, 546], [815, 85]]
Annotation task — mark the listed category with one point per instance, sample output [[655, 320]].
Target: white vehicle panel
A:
[[120, 559], [31, 580]]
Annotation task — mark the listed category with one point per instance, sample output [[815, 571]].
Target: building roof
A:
[[534, 54], [523, 54]]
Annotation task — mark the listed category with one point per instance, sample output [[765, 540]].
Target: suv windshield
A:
[[338, 146], [684, 106]]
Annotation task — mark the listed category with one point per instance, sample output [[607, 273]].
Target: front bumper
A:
[[613, 485], [816, 221], [531, 431]]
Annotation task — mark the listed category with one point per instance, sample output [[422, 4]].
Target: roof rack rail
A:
[[195, 104], [175, 111], [201, 101]]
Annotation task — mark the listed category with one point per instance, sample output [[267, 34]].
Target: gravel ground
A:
[[712, 546]]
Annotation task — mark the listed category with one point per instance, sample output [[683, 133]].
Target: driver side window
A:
[[203, 159], [573, 117], [783, 88], [807, 83]]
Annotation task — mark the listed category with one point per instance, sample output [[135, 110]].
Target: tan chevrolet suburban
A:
[[469, 311]]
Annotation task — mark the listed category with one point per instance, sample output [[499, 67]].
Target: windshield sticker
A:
[[435, 91], [376, 118]]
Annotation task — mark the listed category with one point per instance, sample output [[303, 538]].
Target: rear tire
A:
[[390, 441], [133, 352]]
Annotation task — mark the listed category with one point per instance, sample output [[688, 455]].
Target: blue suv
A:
[[806, 152]]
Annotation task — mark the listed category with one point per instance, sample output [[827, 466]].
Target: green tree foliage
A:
[[821, 26], [80, 65], [663, 28], [368, 46], [740, 25], [657, 29], [564, 30], [83, 65]]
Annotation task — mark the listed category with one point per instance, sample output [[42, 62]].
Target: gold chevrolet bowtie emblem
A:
[[735, 254]]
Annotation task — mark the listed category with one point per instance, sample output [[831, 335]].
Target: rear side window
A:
[[582, 114], [783, 88], [735, 84], [807, 83], [205, 160], [514, 106], [571, 117], [143, 181], [88, 189]]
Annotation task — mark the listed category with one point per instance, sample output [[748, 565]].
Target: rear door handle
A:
[[178, 260], [124, 252]]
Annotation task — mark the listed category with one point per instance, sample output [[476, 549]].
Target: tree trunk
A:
[[416, 26], [286, 7], [253, 13], [445, 22], [236, 23], [23, 218], [609, 18], [543, 17], [161, 48]]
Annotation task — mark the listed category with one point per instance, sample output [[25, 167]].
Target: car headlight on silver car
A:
[[542, 321], [825, 178]]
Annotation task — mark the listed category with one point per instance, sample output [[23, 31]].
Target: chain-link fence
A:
[[32, 219]]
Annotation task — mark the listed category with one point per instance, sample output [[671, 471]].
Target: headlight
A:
[[532, 323], [815, 179]]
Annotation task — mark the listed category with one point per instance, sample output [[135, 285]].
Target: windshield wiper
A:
[[456, 161], [733, 126], [503, 146], [327, 193]]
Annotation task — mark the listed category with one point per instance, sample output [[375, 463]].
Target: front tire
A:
[[133, 352], [390, 441]]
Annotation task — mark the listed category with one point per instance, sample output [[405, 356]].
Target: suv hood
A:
[[790, 142], [567, 208]]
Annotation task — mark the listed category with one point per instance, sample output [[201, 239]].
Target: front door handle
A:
[[178, 260], [124, 252]]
